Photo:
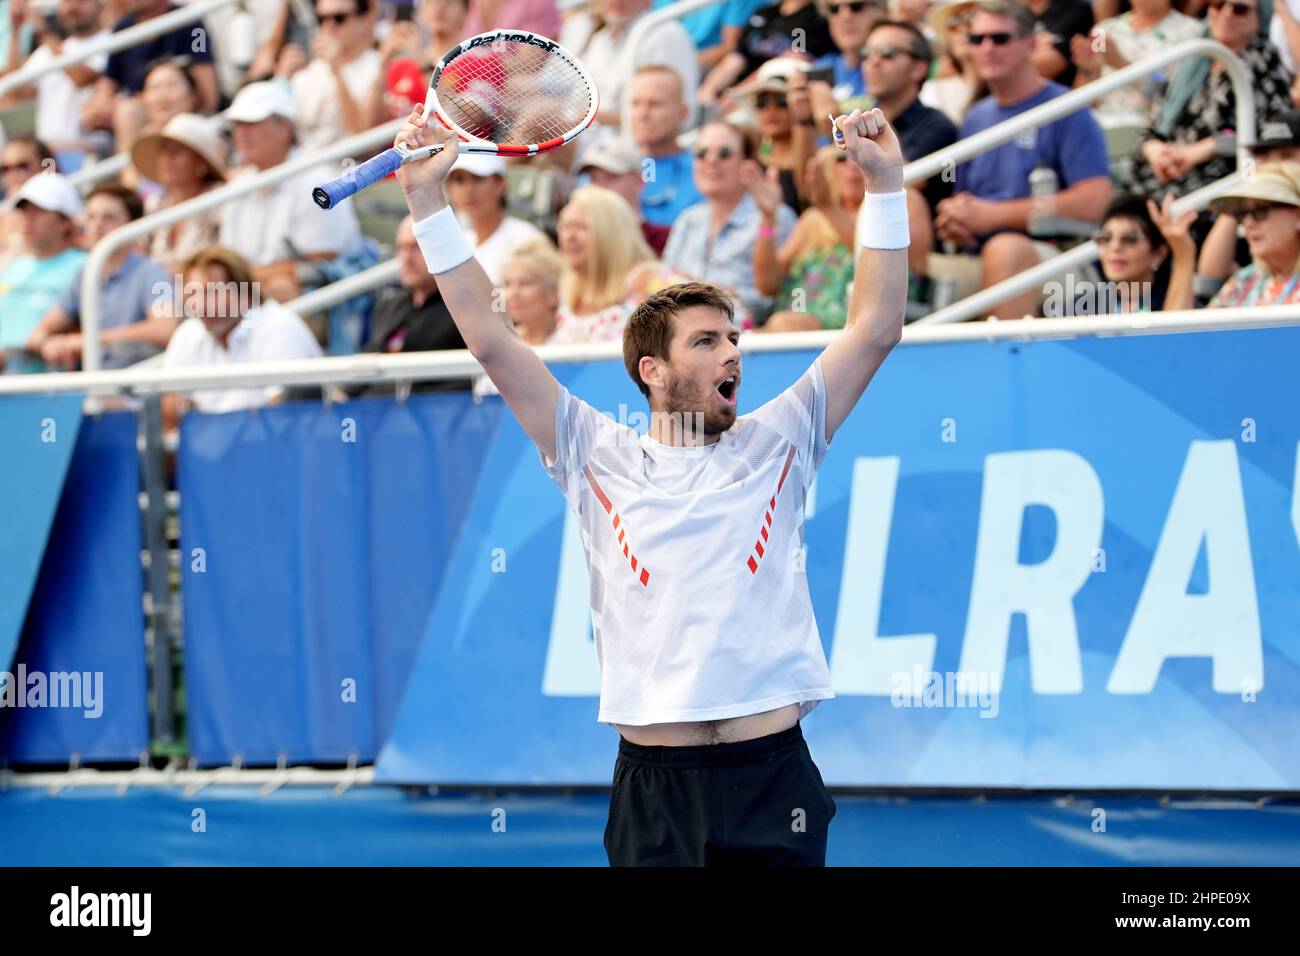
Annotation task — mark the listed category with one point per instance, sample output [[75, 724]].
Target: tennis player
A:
[[693, 533]]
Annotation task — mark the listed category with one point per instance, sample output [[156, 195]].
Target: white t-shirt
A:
[[261, 226], [605, 54], [268, 333], [316, 95], [699, 600], [58, 99], [494, 251]]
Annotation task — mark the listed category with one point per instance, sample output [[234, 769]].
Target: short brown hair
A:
[[129, 199], [1024, 18], [235, 266], [650, 329]]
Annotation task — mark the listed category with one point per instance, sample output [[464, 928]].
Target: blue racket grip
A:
[[353, 181]]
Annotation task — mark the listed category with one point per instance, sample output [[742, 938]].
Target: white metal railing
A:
[[90, 300], [639, 31], [1058, 107], [328, 296], [121, 40], [87, 176], [456, 364]]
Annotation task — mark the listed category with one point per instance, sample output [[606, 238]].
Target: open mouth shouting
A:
[[728, 389]]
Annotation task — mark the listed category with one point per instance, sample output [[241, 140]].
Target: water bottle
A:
[[1043, 187]]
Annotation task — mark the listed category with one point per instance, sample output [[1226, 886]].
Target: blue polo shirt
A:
[[669, 188], [28, 288], [705, 26], [1074, 146], [126, 296]]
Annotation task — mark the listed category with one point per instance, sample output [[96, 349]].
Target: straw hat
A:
[[1272, 182], [196, 133]]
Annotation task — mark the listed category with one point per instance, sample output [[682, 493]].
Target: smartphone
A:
[[824, 75]]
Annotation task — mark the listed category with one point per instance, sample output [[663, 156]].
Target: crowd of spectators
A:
[[710, 159]]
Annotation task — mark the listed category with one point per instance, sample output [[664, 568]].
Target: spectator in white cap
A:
[[187, 159], [476, 189], [48, 206], [613, 163], [280, 225]]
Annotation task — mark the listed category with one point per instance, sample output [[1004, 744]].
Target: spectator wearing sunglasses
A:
[[850, 23], [1221, 252], [897, 62], [1059, 22], [989, 213], [955, 84], [1268, 207], [714, 240], [1191, 144], [332, 92], [658, 111], [1134, 246], [1150, 27], [792, 26], [778, 98]]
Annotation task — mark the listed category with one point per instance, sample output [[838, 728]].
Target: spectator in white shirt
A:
[[331, 92], [476, 189], [276, 227], [599, 40], [61, 95], [227, 324]]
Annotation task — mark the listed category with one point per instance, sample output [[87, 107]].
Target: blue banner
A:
[[37, 433], [312, 542], [80, 666], [1043, 564]]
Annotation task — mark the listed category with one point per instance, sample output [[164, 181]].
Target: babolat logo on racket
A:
[[529, 38]]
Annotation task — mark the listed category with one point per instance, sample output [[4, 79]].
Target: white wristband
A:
[[442, 242], [883, 221]]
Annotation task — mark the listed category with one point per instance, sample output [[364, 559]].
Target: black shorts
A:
[[758, 802]]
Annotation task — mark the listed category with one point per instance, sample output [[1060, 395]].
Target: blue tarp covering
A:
[[312, 542], [85, 627]]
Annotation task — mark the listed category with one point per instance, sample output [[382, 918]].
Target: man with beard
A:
[[693, 532]]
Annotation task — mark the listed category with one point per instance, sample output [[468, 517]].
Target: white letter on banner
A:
[[572, 669], [1044, 592], [1223, 623], [862, 662]]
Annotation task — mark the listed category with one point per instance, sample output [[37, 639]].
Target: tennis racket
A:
[[504, 92]]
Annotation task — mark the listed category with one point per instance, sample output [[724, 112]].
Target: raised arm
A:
[[520, 376], [875, 319]]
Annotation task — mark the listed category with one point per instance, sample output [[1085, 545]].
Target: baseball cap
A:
[[1282, 130], [258, 101], [614, 155], [480, 164], [52, 192]]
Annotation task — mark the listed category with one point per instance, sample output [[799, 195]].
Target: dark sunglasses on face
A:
[[997, 39], [724, 152], [1126, 239], [338, 19], [1238, 9], [764, 100], [1258, 213], [16, 168], [886, 53], [853, 6]]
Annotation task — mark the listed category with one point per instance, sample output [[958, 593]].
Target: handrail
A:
[[90, 306], [90, 174], [364, 369], [1063, 105], [639, 29], [975, 305], [328, 296], [1077, 99], [120, 40]]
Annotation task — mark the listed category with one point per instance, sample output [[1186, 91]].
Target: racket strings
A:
[[514, 94]]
